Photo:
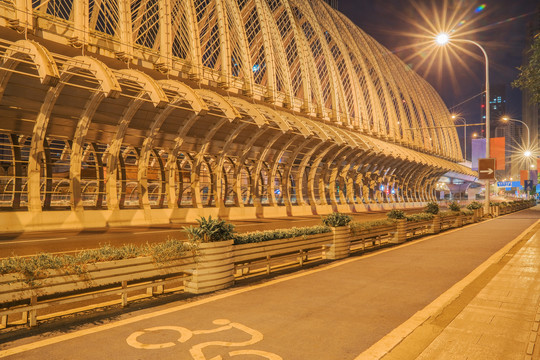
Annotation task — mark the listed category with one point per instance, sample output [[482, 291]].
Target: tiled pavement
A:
[[502, 321]]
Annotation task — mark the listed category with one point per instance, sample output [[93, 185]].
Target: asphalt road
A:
[[334, 312], [23, 244]]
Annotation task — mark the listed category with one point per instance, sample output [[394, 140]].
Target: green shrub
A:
[[432, 208], [443, 214], [35, 267], [493, 203], [420, 217], [396, 214], [358, 227], [467, 212], [210, 230], [454, 206], [261, 236], [336, 219], [474, 205]]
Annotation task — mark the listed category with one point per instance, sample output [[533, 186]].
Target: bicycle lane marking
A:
[[100, 328], [196, 351]]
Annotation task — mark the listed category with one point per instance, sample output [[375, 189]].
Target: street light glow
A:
[[442, 39], [527, 153]]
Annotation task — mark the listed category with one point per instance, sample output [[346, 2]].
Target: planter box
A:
[[341, 243], [214, 268]]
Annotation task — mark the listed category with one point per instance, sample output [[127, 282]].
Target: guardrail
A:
[[266, 257], [371, 238], [20, 294], [216, 266]]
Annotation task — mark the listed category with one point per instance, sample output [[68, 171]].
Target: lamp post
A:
[[443, 39], [506, 118], [455, 117]]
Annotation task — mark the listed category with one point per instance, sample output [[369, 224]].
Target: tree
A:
[[529, 77]]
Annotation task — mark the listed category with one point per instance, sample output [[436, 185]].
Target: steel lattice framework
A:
[[226, 104]]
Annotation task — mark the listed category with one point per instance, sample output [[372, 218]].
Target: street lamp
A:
[[506, 118], [455, 117], [443, 39]]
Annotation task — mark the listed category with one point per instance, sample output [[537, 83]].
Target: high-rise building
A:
[[332, 3], [499, 128]]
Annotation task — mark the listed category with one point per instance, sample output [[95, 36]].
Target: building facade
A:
[[124, 112]]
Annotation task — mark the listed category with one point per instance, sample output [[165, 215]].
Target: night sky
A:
[[503, 25]]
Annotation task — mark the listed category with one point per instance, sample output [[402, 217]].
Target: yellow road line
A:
[[93, 330]]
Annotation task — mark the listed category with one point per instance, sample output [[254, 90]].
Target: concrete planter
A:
[[401, 233], [214, 268], [341, 243]]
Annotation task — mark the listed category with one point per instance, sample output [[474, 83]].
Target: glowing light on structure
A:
[[256, 67]]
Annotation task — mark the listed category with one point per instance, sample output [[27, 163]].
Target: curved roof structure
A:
[[297, 54], [158, 103]]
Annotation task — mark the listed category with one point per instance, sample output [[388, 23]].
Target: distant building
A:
[[498, 128]]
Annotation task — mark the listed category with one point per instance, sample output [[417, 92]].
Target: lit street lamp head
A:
[[527, 153], [442, 38]]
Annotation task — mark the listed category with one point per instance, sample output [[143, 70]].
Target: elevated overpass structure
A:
[[116, 112]]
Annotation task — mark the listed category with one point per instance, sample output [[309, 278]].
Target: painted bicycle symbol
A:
[[196, 351]]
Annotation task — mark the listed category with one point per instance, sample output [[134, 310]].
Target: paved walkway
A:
[[502, 321], [472, 293]]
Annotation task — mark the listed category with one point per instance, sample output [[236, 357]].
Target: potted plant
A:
[[215, 267], [341, 235]]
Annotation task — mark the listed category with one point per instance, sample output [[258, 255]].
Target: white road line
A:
[[156, 231], [29, 241]]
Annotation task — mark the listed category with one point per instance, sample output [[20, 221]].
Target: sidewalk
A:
[[500, 322]]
